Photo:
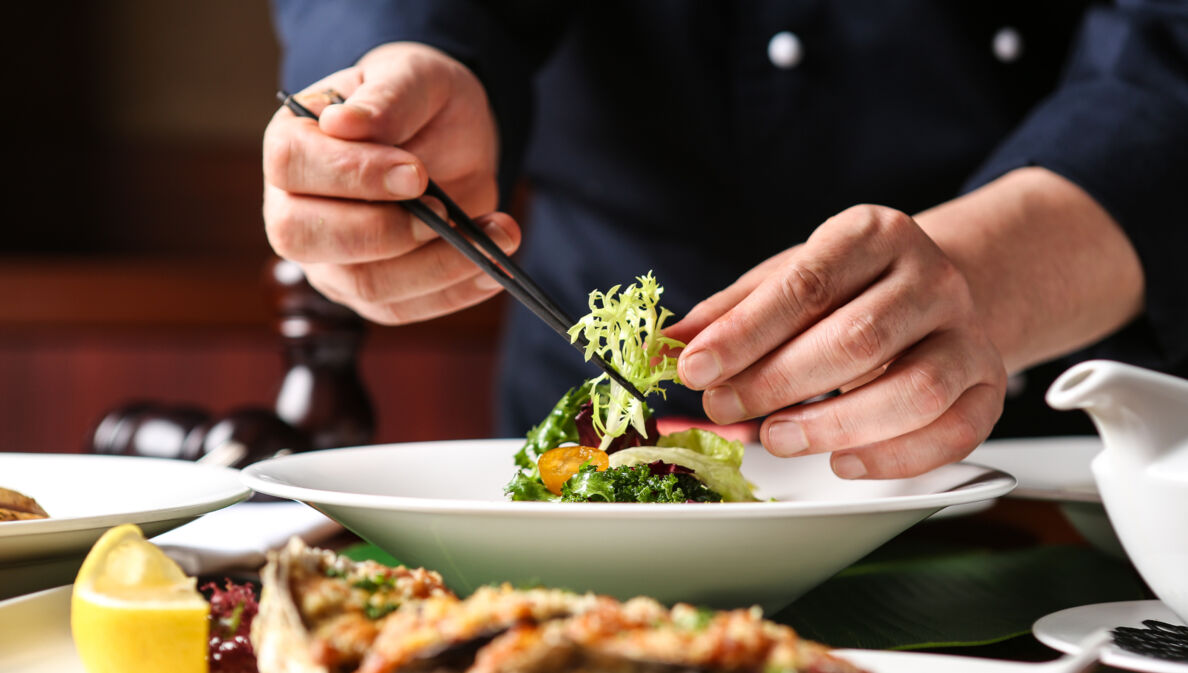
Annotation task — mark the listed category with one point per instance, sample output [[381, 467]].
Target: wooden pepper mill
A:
[[321, 402], [321, 393]]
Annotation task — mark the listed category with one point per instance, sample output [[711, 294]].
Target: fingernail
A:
[[403, 181], [786, 438], [848, 466], [422, 232], [699, 369], [498, 235], [723, 405]]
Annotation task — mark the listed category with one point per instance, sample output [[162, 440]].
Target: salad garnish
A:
[[625, 329], [601, 444], [232, 610]]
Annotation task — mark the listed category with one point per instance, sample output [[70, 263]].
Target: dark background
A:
[[132, 262]]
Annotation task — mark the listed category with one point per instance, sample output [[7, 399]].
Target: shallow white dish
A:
[[887, 661], [85, 495], [441, 505], [35, 634], [1048, 468], [35, 638], [1063, 630], [1056, 469]]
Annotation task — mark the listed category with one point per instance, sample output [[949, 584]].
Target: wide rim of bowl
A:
[[230, 491], [982, 483]]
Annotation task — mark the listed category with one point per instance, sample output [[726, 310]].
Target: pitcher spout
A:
[[1132, 407]]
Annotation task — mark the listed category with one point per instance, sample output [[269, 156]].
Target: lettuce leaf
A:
[[715, 461], [707, 443], [624, 328]]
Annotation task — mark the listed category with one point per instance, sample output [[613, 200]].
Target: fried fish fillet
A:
[[16, 506], [318, 615]]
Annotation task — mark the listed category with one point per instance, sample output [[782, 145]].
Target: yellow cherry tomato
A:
[[559, 464]]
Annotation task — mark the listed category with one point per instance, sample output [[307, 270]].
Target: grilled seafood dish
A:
[[16, 506], [320, 612], [323, 614]]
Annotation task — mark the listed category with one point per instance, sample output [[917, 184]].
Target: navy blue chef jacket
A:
[[685, 137]]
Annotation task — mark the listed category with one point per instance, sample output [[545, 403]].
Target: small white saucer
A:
[[1063, 630]]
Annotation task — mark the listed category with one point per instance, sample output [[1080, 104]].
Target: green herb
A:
[[695, 619], [556, 429], [525, 486], [231, 623], [634, 484], [624, 328], [373, 611], [374, 583]]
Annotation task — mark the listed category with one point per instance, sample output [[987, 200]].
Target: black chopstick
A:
[[498, 265]]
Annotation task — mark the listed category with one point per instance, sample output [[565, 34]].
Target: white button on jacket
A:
[[784, 50], [1007, 45]]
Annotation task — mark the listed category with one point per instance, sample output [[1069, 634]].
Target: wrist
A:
[[1049, 269]]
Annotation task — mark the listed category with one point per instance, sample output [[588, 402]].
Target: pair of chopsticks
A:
[[494, 262]]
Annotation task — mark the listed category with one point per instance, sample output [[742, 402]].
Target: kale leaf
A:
[[525, 486], [556, 429], [636, 483]]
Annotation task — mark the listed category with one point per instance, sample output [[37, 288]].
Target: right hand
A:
[[411, 112]]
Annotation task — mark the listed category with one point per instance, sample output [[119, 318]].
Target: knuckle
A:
[[365, 284], [352, 172], [364, 239], [861, 340], [964, 432], [768, 391], [283, 230], [927, 390], [901, 464], [279, 155], [895, 221], [834, 430], [805, 289]]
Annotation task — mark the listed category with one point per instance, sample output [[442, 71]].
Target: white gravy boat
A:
[[1142, 473]]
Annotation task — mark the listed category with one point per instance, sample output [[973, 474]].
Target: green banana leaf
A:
[[956, 598]]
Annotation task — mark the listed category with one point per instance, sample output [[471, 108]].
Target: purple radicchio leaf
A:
[[588, 437]]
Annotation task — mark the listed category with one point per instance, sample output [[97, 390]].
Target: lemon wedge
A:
[[134, 610]]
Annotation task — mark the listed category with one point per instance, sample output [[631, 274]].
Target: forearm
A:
[[1049, 268]]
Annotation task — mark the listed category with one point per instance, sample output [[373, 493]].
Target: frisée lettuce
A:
[[625, 331], [600, 420]]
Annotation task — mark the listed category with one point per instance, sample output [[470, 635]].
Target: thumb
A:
[[403, 87]]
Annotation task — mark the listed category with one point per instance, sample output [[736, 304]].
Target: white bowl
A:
[[85, 495], [441, 505]]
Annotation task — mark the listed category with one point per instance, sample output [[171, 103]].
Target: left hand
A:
[[869, 305]]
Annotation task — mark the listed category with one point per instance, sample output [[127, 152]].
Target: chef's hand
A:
[[411, 112], [870, 305]]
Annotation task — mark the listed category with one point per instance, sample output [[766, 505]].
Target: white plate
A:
[[880, 661], [35, 638], [1063, 630], [85, 495], [1056, 469], [1048, 468], [35, 634], [441, 505]]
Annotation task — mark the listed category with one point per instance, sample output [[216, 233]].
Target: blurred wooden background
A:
[[132, 261]]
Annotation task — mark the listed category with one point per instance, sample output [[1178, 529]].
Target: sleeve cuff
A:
[[1127, 147]]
